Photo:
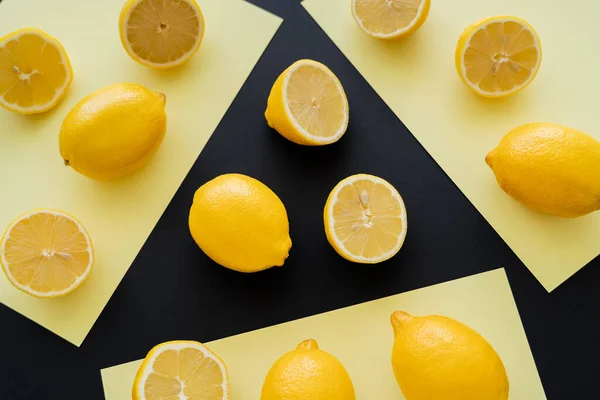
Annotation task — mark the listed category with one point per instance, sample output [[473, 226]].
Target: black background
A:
[[173, 291]]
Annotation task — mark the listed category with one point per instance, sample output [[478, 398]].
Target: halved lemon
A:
[[308, 105], [498, 56], [365, 219], [35, 71], [390, 19], [46, 253], [181, 370], [161, 33]]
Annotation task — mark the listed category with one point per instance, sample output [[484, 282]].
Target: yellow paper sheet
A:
[[361, 337], [120, 215], [417, 79]]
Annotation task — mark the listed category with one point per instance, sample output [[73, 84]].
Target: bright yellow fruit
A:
[[550, 168], [308, 373], [161, 33], [308, 105], [390, 19], [46, 253], [240, 223], [181, 370], [437, 357], [365, 219], [498, 56], [35, 71], [114, 131]]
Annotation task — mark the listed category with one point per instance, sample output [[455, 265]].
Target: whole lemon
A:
[[436, 357], [550, 168], [240, 223], [114, 131], [308, 373]]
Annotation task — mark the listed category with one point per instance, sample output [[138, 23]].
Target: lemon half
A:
[[498, 56], [308, 105], [390, 19], [181, 370], [46, 253], [161, 33], [365, 219], [35, 71]]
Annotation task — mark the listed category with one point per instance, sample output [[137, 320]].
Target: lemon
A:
[[550, 168], [161, 33], [390, 19], [181, 370], [35, 71], [365, 219], [46, 253], [240, 223], [498, 56], [308, 373], [114, 131], [436, 357], [308, 105]]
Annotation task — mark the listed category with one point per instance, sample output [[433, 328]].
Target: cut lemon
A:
[[498, 56], [365, 219], [390, 19], [161, 33], [308, 105], [46, 253], [35, 71], [181, 370]]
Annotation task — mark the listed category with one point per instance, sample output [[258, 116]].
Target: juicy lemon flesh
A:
[[163, 31], [315, 101], [501, 56], [368, 220], [32, 71], [187, 371], [47, 253], [385, 17]]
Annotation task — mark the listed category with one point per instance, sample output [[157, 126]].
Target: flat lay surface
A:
[[151, 283]]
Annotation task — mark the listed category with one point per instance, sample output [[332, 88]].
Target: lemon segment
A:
[[308, 373], [390, 19], [35, 71], [161, 33], [181, 370], [46, 253], [498, 56], [308, 105], [365, 219]]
